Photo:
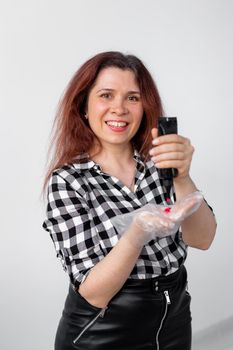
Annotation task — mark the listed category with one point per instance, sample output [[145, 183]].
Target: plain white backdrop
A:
[[188, 47]]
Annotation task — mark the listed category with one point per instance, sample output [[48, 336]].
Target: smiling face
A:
[[114, 107]]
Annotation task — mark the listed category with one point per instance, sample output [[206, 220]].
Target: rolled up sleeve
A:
[[72, 229]]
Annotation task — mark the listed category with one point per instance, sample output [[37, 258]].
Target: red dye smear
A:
[[167, 210]]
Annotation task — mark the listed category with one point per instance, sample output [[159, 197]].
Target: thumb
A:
[[154, 133]]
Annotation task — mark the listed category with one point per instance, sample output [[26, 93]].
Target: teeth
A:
[[117, 124]]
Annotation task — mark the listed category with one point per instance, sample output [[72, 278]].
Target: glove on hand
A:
[[159, 220]]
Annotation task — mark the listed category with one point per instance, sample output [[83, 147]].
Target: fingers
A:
[[182, 145], [168, 156], [170, 138], [167, 147], [186, 207], [154, 223], [154, 133], [172, 151]]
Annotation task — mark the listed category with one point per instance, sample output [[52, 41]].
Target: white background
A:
[[188, 47]]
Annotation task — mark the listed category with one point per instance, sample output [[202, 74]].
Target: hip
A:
[[140, 316]]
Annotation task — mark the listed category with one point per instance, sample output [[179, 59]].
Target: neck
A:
[[118, 156]]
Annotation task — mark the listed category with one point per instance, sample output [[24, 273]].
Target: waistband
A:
[[157, 283]]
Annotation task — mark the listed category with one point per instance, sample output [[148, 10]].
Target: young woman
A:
[[126, 292]]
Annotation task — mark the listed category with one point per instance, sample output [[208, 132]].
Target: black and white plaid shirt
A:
[[82, 200]]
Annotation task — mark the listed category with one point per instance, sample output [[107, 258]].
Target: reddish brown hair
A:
[[72, 135]]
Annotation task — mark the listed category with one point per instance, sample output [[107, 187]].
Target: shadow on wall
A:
[[216, 337]]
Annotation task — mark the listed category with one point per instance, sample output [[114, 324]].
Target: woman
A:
[[126, 292]]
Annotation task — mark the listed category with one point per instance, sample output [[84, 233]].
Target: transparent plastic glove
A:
[[158, 220], [186, 206]]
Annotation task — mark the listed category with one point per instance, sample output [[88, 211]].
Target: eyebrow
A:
[[129, 92]]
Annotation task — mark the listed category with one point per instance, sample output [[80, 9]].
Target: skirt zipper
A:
[[168, 301], [90, 323]]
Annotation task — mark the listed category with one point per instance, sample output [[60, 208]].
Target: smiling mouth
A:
[[115, 124]]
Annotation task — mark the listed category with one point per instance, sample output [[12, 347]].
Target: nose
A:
[[118, 107]]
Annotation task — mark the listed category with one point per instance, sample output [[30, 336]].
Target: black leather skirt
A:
[[143, 315]]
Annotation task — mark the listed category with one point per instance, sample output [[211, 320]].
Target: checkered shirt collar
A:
[[89, 163]]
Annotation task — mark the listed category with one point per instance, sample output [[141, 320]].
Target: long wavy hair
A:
[[71, 134]]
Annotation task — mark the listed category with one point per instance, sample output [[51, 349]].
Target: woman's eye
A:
[[105, 95], [133, 98]]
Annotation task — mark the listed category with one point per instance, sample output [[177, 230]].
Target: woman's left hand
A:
[[172, 151]]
